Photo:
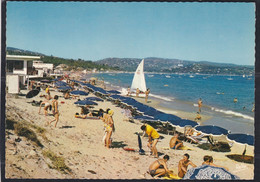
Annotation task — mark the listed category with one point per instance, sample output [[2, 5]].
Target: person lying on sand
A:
[[159, 167], [67, 95], [153, 138], [183, 165], [208, 160], [175, 143], [84, 116]]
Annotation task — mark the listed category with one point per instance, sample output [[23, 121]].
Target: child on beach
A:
[[198, 117], [55, 110], [159, 167], [183, 165], [153, 138]]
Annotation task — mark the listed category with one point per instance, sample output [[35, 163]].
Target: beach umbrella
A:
[[141, 151], [184, 122], [115, 96], [146, 118], [241, 138], [64, 88], [60, 84], [78, 92], [85, 102], [113, 92], [212, 129], [94, 99], [209, 172], [32, 93], [45, 81]]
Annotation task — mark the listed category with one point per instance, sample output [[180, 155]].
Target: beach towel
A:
[[180, 148], [172, 176]]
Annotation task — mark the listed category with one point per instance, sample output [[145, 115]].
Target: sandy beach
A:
[[78, 144]]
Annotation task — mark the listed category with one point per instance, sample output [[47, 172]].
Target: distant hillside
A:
[[73, 64], [176, 66], [152, 64]]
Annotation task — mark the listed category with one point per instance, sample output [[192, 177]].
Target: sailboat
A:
[[139, 81]]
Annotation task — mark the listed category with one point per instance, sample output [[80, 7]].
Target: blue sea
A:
[[182, 91]]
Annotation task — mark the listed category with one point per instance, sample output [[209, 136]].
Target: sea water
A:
[[182, 91]]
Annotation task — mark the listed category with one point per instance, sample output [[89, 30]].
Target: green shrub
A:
[[23, 130], [57, 162]]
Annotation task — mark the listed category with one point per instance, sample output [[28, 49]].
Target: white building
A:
[[20, 65], [43, 67], [18, 69]]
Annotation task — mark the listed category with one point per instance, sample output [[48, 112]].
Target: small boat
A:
[[139, 81], [191, 76], [150, 75], [168, 76]]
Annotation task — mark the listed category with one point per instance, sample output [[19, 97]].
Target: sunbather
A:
[[183, 165], [84, 116], [175, 143], [159, 167]]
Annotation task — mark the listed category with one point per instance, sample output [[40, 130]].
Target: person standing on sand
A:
[[153, 138], [159, 167], [146, 94], [128, 91], [198, 117], [175, 143], [47, 90], [109, 128], [200, 104], [55, 110], [137, 92], [208, 160], [183, 165]]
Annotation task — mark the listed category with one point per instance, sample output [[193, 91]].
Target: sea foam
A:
[[229, 112]]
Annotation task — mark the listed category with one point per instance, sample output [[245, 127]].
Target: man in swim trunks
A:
[[159, 167], [175, 143], [183, 165], [153, 138]]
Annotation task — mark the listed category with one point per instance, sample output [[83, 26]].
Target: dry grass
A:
[[57, 162]]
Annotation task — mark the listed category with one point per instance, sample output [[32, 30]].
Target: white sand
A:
[[80, 144]]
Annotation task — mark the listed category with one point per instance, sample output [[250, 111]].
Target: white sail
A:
[[139, 79]]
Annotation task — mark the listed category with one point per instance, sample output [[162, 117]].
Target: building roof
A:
[[24, 58]]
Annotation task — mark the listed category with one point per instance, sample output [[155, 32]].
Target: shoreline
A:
[[209, 114]]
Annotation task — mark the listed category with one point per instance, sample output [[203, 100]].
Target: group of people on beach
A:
[[159, 167]]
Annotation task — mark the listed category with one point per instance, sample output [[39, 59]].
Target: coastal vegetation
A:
[[152, 64]]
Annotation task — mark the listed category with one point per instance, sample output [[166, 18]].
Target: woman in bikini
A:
[[55, 110], [159, 167], [109, 128]]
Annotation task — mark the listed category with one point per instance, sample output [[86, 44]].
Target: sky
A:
[[215, 32]]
